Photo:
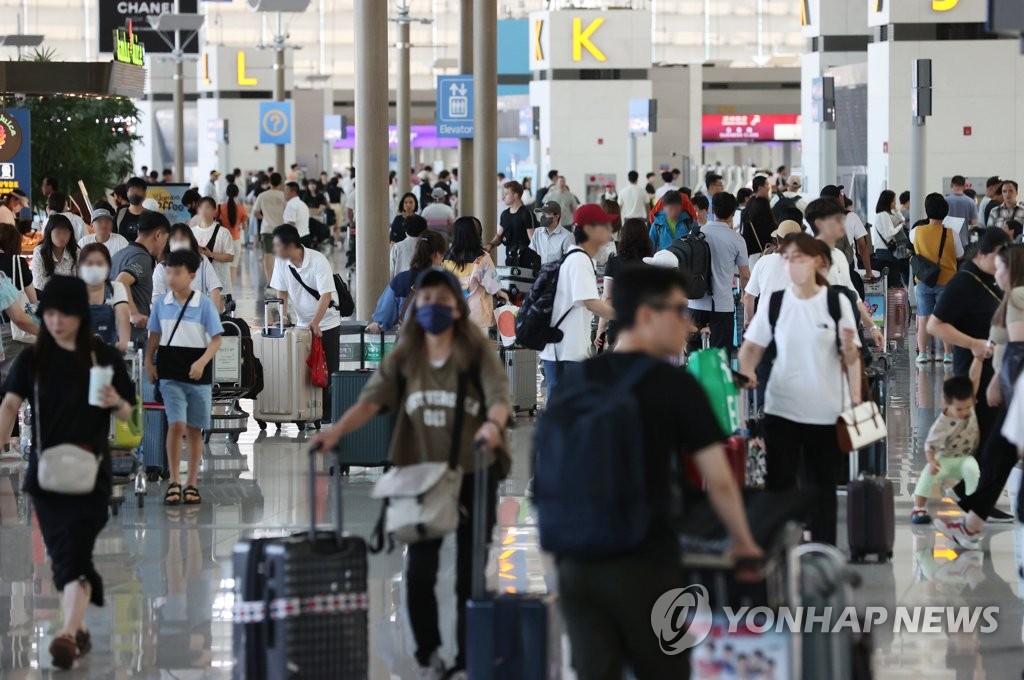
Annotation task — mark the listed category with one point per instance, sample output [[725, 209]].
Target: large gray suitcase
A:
[[521, 368], [288, 395], [369, 445]]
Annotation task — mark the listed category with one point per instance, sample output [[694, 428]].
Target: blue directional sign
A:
[[455, 106], [275, 122]]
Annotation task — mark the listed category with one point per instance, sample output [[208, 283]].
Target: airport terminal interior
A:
[[866, 120]]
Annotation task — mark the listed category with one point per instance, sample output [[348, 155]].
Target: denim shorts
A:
[[187, 403], [927, 298]]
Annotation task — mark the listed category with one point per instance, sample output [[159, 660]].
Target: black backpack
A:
[[533, 324], [694, 254], [589, 489], [345, 305], [834, 311], [785, 209]]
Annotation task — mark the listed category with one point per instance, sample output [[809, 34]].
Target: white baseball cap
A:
[[663, 258]]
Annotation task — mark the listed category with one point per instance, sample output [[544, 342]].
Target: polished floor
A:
[[169, 580]]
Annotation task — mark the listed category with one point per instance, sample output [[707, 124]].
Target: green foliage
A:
[[41, 54], [81, 138]]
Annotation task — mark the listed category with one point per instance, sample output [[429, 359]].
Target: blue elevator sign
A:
[[455, 106]]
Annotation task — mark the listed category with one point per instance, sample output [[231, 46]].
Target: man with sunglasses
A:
[[607, 603]]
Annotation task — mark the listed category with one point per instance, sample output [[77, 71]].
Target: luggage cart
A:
[[126, 463], [229, 383]]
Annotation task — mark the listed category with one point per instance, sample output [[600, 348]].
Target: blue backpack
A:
[[590, 480]]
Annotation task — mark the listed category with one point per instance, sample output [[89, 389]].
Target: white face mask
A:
[[180, 245], [93, 274]]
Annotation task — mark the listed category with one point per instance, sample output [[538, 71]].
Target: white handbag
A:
[[421, 501], [860, 426], [64, 468], [18, 335]]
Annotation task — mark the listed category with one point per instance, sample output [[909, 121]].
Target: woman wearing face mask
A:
[[396, 298], [475, 270], [440, 350], [206, 281], [57, 255], [53, 375], [808, 388], [108, 300]]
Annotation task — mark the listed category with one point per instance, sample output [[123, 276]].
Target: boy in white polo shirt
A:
[[185, 326]]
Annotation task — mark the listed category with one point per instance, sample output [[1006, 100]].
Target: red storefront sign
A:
[[751, 127]]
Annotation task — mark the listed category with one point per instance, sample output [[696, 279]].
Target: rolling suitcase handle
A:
[[267, 305], [479, 563], [336, 480]]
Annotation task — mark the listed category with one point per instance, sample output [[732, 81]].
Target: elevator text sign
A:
[[590, 39], [455, 106]]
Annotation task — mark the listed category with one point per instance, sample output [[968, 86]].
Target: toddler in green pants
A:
[[951, 443]]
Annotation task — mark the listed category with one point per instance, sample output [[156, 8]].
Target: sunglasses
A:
[[682, 308]]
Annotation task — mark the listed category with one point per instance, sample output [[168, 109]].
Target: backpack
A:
[[590, 485], [694, 254], [786, 209], [344, 303], [533, 324]]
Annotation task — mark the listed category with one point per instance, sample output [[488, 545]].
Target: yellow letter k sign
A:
[[581, 39]]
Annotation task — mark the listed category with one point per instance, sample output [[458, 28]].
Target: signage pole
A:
[[630, 152], [921, 107], [279, 37], [403, 95], [467, 195], [179, 104], [485, 84]]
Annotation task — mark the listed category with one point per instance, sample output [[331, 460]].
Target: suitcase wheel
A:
[[856, 558], [206, 436], [533, 411], [301, 424], [141, 499], [234, 437], [153, 474], [262, 424]]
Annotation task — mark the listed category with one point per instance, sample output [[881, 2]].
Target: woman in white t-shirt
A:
[[215, 241], [890, 240], [108, 300], [206, 281], [807, 390]]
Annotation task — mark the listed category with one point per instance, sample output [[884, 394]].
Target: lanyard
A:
[[983, 285]]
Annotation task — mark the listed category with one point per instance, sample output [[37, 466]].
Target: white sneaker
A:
[[435, 670], [957, 532]]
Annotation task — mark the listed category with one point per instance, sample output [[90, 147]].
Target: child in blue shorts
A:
[[184, 335]]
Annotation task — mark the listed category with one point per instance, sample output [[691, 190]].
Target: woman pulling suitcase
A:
[[449, 389], [69, 476]]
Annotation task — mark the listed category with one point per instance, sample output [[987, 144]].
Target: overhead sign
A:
[[751, 128], [168, 200], [455, 106], [15, 151], [420, 137], [643, 116], [944, 5], [589, 39], [127, 48], [114, 14], [275, 122]]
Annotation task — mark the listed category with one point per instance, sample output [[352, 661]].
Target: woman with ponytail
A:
[[814, 332], [233, 215]]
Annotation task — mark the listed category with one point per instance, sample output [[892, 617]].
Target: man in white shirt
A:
[[768, 274], [57, 204], [576, 297], [792, 192], [269, 209], [215, 242], [296, 213], [439, 215], [633, 199], [962, 206], [856, 232], [717, 309], [666, 186], [211, 186], [103, 232], [305, 278]]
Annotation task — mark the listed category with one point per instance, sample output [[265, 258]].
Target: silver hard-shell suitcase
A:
[[288, 395]]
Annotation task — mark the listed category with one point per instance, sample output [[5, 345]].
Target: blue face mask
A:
[[435, 319]]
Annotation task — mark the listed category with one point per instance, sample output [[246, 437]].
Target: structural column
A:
[[485, 113], [179, 104], [371, 33], [279, 161], [467, 196], [402, 96]]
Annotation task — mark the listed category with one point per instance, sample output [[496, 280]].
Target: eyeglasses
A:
[[682, 308]]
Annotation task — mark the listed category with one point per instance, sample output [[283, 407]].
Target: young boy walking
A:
[[951, 443], [184, 335]]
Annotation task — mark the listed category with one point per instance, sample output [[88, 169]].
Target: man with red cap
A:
[[576, 297]]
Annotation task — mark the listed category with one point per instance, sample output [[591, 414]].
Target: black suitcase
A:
[[870, 518], [301, 602]]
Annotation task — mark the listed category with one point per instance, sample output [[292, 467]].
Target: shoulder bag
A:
[[421, 501], [860, 425], [926, 271], [21, 302], [157, 396], [65, 468]]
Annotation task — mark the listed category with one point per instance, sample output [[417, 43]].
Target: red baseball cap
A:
[[591, 213]]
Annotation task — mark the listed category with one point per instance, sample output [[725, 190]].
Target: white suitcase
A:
[[288, 395]]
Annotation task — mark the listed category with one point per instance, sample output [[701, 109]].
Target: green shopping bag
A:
[[712, 370]]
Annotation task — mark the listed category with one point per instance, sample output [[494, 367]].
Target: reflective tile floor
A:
[[169, 579]]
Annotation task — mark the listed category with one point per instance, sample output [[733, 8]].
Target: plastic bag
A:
[[505, 316], [317, 362]]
